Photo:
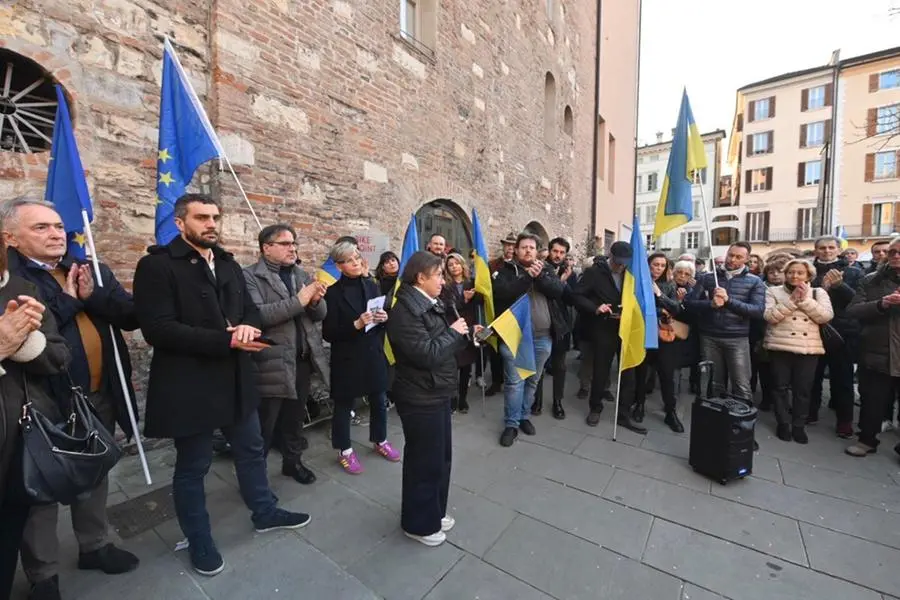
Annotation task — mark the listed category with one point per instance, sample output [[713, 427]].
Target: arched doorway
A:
[[537, 229], [446, 218], [27, 104]]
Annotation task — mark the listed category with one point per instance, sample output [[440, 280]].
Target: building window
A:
[[757, 226], [418, 24], [815, 98], [882, 222], [889, 79], [27, 104], [638, 183], [809, 173], [886, 165], [549, 108], [550, 10], [652, 182], [761, 143], [887, 119], [650, 214], [815, 134], [762, 109], [699, 176], [696, 210], [568, 121], [648, 242], [806, 223], [758, 180], [692, 240]]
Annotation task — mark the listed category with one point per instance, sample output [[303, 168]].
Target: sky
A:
[[713, 47]]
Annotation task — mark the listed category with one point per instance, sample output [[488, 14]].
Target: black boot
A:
[[626, 422], [538, 407], [558, 411], [673, 422], [637, 412]]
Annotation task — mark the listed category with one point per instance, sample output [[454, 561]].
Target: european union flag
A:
[[66, 186], [186, 141], [514, 328]]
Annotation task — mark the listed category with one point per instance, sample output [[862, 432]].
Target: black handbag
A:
[[62, 461], [831, 338]]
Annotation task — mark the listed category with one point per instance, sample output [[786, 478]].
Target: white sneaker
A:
[[435, 539], [447, 523], [886, 426]]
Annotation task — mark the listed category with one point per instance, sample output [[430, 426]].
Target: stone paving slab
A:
[[573, 471], [861, 490], [750, 527], [480, 522], [738, 572], [692, 592], [565, 566], [864, 562], [472, 579]]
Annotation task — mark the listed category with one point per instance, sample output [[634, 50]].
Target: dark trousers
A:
[[663, 360], [557, 373], [287, 415], [792, 378], [840, 377], [14, 509], [40, 545], [461, 400], [879, 391], [766, 382], [496, 368], [340, 420], [192, 460], [427, 456], [606, 348]]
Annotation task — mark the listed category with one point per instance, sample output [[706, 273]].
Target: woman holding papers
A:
[[355, 331], [425, 339]]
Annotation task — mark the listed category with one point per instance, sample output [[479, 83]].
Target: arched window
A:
[[27, 104], [445, 218], [549, 108], [537, 229], [568, 121]]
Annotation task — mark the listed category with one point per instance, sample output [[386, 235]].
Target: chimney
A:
[[659, 135]]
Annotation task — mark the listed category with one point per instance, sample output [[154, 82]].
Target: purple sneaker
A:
[[387, 451], [351, 463]]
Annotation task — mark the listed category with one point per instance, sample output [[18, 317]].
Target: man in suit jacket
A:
[[194, 309]]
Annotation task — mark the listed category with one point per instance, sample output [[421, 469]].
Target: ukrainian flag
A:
[[639, 328], [483, 282], [410, 247], [676, 203], [514, 328], [328, 273], [842, 235]]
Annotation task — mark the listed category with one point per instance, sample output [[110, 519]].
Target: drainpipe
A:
[[637, 104], [596, 115]]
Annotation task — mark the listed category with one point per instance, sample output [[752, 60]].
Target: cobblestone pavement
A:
[[567, 514]]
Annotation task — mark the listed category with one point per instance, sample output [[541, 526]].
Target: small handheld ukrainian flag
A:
[[66, 186], [328, 273], [514, 328], [186, 141], [410, 247], [638, 328], [676, 202]]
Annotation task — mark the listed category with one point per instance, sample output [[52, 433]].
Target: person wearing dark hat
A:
[[598, 298], [509, 249]]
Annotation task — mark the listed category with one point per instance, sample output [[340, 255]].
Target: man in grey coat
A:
[[289, 303]]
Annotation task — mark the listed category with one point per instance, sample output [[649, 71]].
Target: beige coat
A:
[[794, 327]]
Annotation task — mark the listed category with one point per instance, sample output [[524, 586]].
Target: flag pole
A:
[[706, 222], [122, 380], [241, 188], [480, 313], [618, 393]]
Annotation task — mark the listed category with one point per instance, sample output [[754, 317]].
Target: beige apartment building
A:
[[814, 152]]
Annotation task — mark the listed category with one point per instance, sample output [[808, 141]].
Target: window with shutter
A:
[[886, 165], [804, 100], [751, 111], [801, 174], [772, 107], [829, 94], [769, 181], [870, 167], [873, 82], [765, 236], [748, 180], [803, 136], [828, 124], [887, 119], [867, 220]]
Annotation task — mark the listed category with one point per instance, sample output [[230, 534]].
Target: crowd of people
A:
[[235, 349]]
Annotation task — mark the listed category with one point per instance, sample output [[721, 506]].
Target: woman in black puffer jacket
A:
[[425, 341]]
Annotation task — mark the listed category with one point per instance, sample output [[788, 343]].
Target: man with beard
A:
[[437, 245], [508, 245], [559, 249], [193, 308], [724, 314], [527, 275], [835, 275]]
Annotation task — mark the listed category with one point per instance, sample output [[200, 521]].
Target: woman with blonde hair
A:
[[461, 300], [795, 311]]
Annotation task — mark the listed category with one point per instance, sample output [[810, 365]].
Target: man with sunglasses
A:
[[289, 304]]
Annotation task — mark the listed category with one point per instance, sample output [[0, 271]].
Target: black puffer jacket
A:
[[879, 341], [511, 280], [841, 295], [425, 350]]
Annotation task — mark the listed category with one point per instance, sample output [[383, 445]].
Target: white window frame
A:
[[761, 143], [812, 178], [896, 75], [757, 109], [819, 140], [691, 240], [808, 225], [887, 119], [652, 182], [696, 209], [818, 94], [885, 165], [758, 184], [405, 18], [756, 226]]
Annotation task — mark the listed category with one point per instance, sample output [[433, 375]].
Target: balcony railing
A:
[[867, 231], [790, 234]]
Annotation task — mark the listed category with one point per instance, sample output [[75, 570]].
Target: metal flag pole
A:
[[241, 188], [618, 393], [706, 222], [479, 310], [122, 380]]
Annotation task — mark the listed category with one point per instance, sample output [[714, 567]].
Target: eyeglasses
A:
[[285, 244], [893, 252], [352, 260]]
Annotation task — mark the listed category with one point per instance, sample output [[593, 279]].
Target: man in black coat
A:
[[90, 318], [598, 299], [194, 309]]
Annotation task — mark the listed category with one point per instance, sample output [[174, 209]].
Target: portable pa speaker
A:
[[722, 433]]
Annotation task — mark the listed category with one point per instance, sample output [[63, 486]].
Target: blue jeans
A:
[[518, 395], [731, 360], [192, 461]]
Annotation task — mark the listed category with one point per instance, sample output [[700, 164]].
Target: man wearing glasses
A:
[[289, 303]]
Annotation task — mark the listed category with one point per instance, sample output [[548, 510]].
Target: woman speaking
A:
[[425, 340]]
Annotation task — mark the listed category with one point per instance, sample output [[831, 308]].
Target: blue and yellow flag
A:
[[328, 273], [842, 236], [676, 202], [410, 247], [186, 141], [66, 186], [639, 328], [514, 328], [483, 282]]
